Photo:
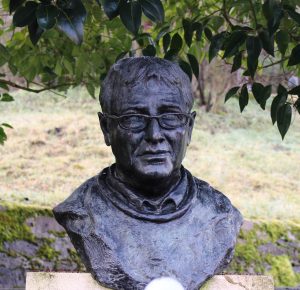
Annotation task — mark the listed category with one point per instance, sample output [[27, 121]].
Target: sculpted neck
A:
[[151, 188]]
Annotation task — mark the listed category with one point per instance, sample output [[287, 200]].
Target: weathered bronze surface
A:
[[146, 216]]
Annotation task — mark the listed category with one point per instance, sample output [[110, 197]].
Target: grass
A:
[[56, 144]]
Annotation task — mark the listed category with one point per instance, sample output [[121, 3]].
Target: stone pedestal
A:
[[80, 281]]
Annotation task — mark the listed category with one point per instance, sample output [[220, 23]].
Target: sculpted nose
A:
[[154, 132]]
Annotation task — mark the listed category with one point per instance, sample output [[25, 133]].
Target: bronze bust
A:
[[146, 216]]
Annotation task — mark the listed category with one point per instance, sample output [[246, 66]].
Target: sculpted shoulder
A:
[[215, 199], [70, 212]]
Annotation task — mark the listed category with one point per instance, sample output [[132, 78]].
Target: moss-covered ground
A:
[[249, 258], [12, 222], [13, 227], [281, 242]]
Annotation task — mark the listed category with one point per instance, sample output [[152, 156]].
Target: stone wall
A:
[[30, 239]]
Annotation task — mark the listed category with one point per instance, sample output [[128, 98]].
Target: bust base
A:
[[79, 281]]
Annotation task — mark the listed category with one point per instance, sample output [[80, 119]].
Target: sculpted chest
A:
[[120, 248]]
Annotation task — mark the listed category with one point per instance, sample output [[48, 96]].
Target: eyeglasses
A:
[[138, 122]]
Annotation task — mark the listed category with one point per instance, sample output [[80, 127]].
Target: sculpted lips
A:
[[154, 155]]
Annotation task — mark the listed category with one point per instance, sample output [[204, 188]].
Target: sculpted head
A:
[[147, 149]]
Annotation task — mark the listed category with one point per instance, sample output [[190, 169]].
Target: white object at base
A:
[[164, 283]]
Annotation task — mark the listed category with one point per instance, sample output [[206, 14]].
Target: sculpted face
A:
[[154, 153]]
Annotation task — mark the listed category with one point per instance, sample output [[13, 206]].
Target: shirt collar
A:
[[170, 202]]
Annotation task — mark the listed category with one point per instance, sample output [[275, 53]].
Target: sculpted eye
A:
[[132, 122], [173, 120]]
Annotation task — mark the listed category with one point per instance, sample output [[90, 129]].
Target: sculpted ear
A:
[[104, 127], [191, 126]]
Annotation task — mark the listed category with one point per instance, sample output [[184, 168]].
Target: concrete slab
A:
[[84, 281]]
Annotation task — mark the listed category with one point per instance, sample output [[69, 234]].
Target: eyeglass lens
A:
[[139, 122]]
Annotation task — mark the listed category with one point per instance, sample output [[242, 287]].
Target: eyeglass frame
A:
[[148, 117]]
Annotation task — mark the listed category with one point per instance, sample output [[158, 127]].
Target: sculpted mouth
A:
[[154, 153], [155, 157]]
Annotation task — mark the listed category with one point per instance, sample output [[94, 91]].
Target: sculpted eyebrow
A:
[[136, 109], [169, 107]]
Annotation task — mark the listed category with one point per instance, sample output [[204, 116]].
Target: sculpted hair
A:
[[132, 71]]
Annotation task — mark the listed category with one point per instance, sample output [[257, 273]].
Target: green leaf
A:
[[7, 125], [58, 68], [14, 4], [244, 97], [153, 9], [284, 117], [282, 39], [4, 55], [233, 42], [216, 22], [163, 31], [295, 91], [103, 76], [25, 15], [46, 15], [68, 65], [13, 69], [170, 54], [198, 27], [258, 90], [266, 95], [6, 98], [295, 56], [176, 42], [91, 90], [237, 62], [150, 50], [194, 64], [71, 19], [4, 86], [253, 46], [215, 45], [246, 73], [231, 93], [208, 33], [292, 13], [278, 101], [166, 41], [243, 28], [139, 40], [274, 23], [131, 14], [268, 8], [267, 41], [121, 55], [111, 8], [186, 68], [273, 13], [188, 31], [281, 90], [35, 32], [3, 136], [261, 93]]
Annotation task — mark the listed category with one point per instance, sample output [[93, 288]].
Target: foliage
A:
[[249, 35], [251, 253]]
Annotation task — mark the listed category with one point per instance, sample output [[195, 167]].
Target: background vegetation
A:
[[246, 52], [58, 44], [58, 144]]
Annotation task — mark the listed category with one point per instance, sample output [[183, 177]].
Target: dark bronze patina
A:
[[146, 216]]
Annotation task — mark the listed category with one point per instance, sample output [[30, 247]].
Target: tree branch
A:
[[274, 63], [14, 85], [224, 12]]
